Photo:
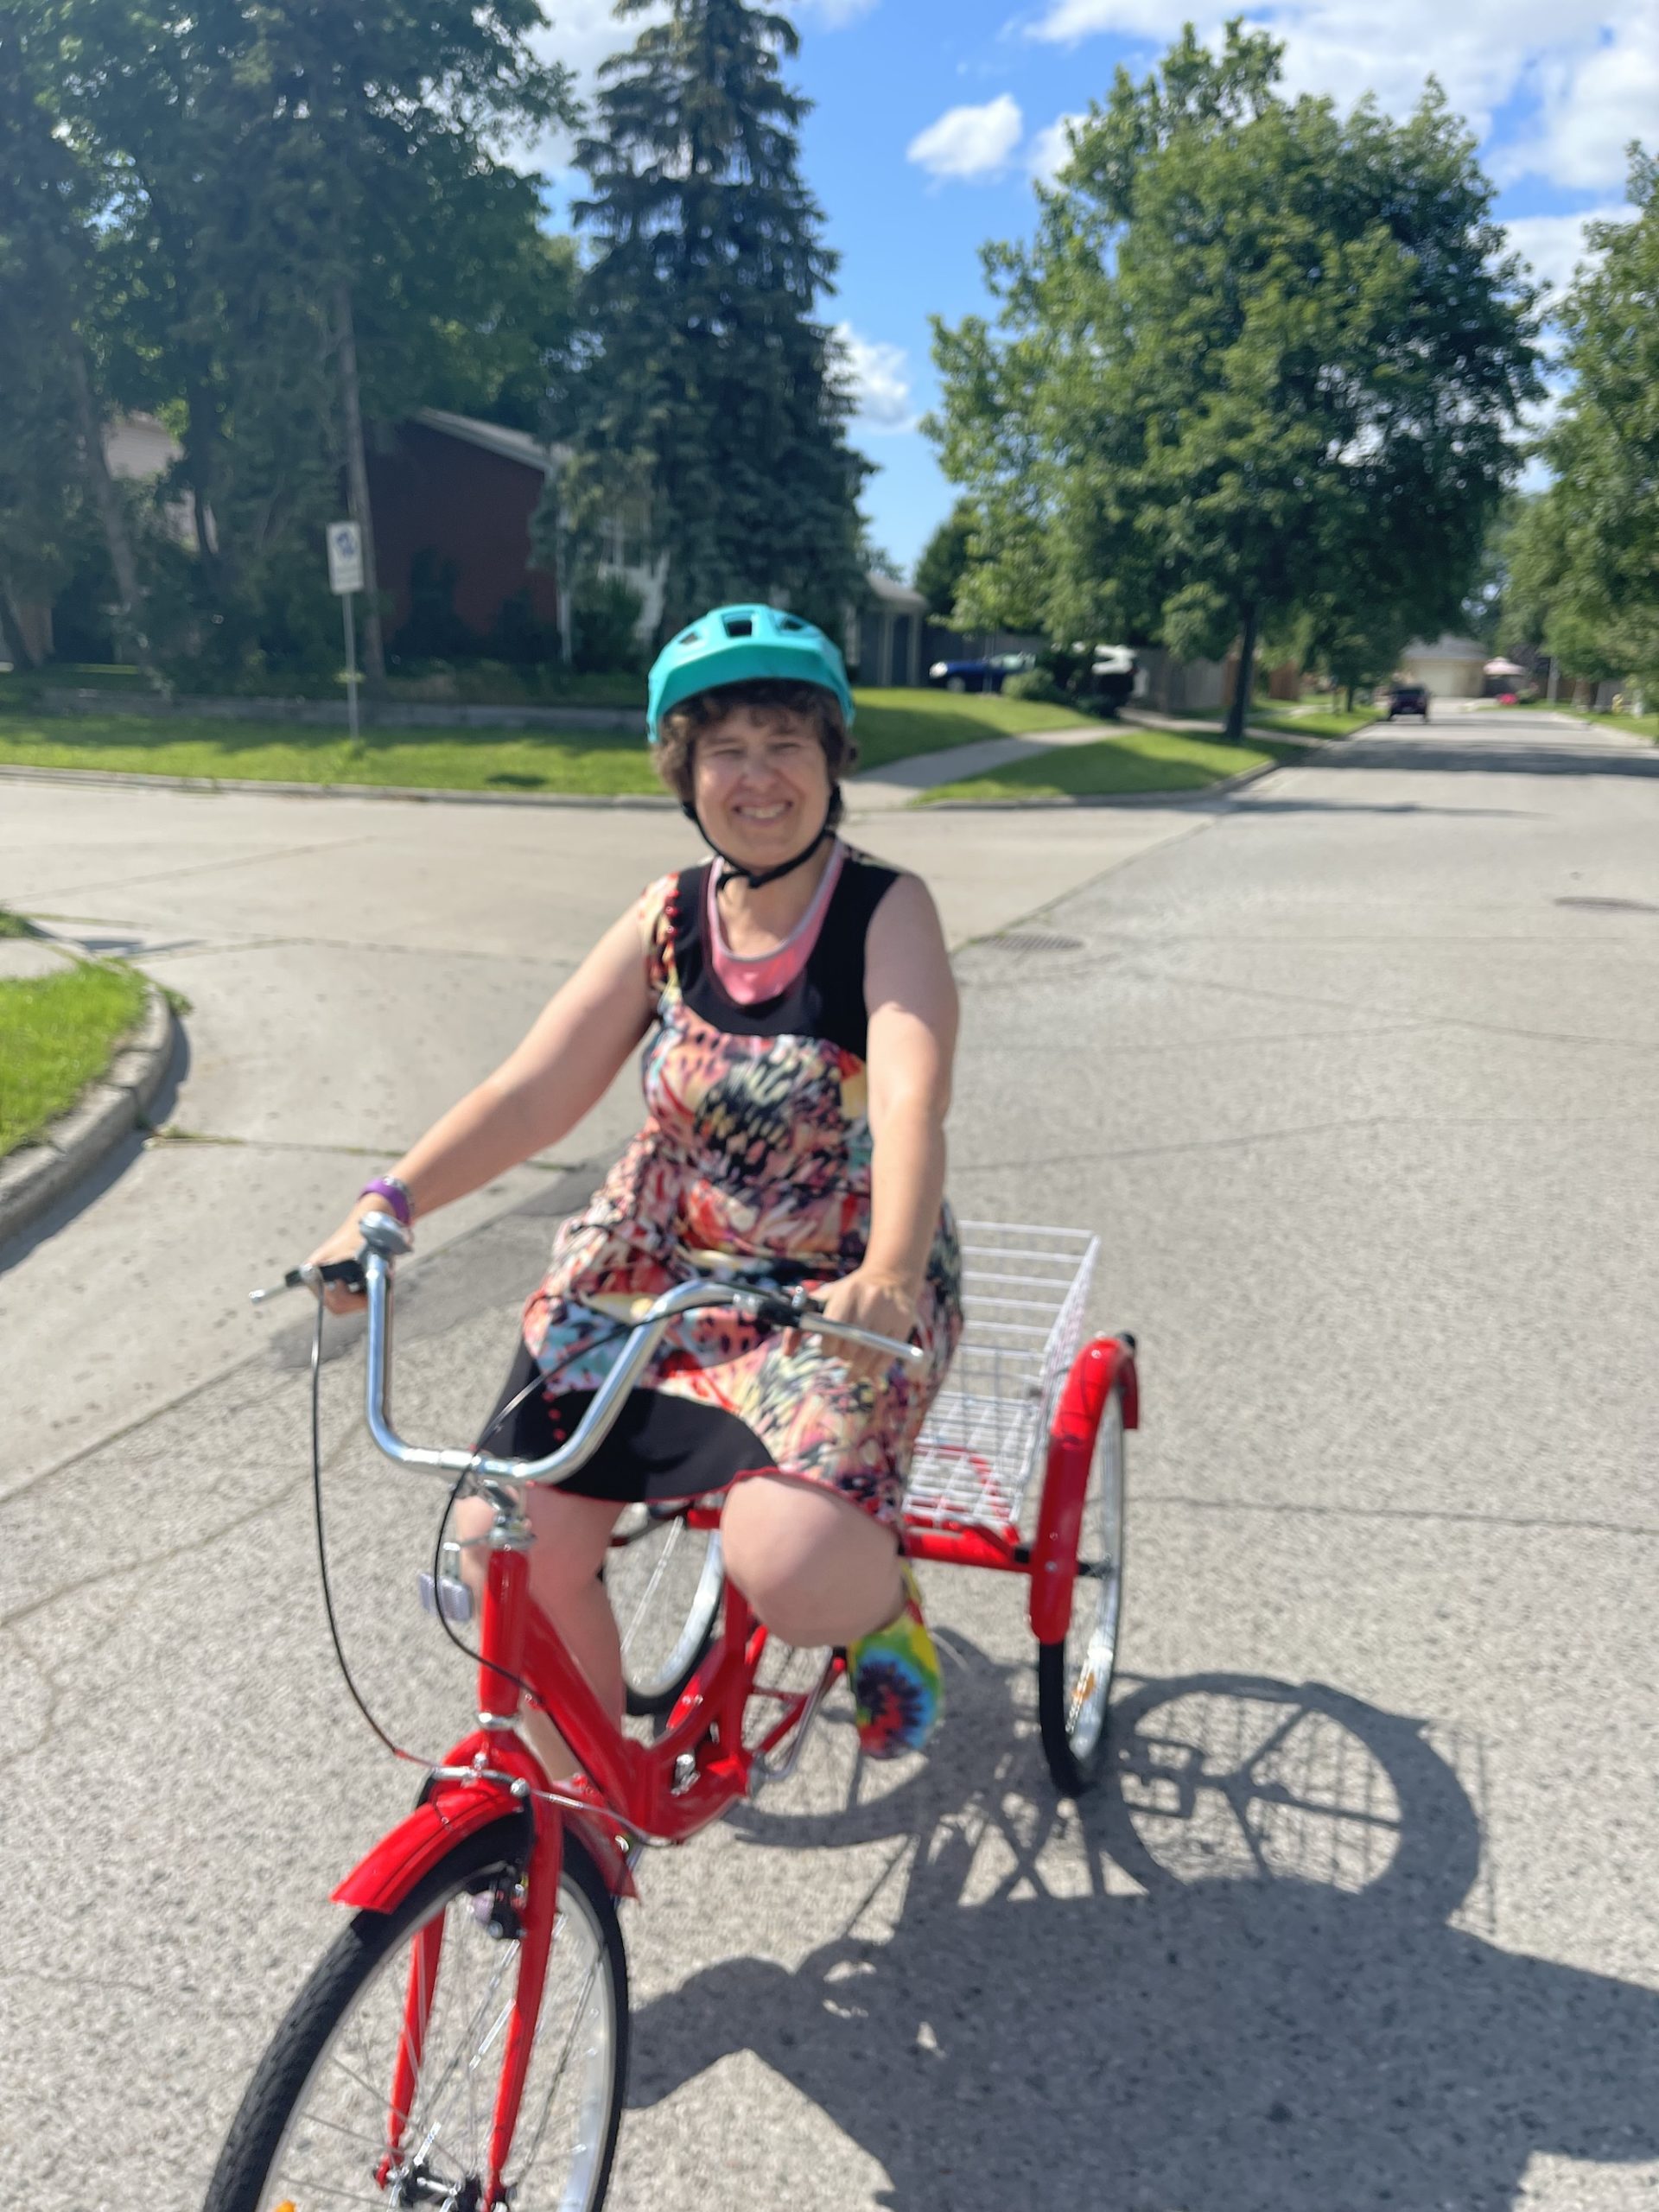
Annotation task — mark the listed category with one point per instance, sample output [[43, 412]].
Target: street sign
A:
[[345, 558]]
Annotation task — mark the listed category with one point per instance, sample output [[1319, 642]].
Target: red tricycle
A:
[[463, 2044]]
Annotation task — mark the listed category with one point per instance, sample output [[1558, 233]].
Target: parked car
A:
[[1407, 699], [987, 675]]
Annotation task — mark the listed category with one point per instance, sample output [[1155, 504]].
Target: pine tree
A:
[[711, 405]]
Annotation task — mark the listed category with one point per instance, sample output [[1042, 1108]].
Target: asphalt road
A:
[[1357, 1079]]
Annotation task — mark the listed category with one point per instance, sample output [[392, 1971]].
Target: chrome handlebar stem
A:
[[386, 1240]]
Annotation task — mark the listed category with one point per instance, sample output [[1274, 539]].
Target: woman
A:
[[799, 1018]]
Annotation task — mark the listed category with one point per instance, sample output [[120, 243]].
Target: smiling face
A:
[[760, 784]]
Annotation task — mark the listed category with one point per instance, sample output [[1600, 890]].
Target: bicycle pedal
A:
[[457, 1598]]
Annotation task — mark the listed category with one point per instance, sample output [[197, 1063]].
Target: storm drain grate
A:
[[1025, 941]]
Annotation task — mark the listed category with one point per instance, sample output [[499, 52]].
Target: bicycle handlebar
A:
[[386, 1240]]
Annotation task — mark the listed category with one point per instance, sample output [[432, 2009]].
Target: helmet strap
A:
[[731, 872]]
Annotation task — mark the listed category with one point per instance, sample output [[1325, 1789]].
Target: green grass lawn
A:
[[1133, 760], [1313, 721], [58, 1035], [1637, 725], [891, 726], [479, 684]]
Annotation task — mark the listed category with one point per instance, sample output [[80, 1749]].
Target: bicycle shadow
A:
[[1279, 2020]]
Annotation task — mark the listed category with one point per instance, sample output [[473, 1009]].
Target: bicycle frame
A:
[[623, 1792]]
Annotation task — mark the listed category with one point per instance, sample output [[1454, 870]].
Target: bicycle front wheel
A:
[[321, 2123]]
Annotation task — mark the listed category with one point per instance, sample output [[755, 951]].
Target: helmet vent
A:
[[739, 626], [689, 638], [790, 622]]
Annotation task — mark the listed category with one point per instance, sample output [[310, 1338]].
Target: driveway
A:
[[1355, 1080]]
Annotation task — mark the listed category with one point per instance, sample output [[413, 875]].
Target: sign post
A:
[[346, 578]]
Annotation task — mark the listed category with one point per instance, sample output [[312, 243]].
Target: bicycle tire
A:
[[349, 1971], [665, 1636], [1074, 1673]]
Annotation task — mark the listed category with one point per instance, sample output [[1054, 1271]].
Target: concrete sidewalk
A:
[[897, 784]]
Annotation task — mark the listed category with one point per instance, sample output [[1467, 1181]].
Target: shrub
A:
[[604, 625], [1037, 683]]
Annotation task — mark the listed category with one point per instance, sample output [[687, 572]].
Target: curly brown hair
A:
[[762, 695]]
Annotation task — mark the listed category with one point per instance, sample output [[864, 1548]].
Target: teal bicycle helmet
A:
[[735, 644]]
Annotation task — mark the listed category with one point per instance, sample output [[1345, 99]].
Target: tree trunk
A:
[[357, 476], [1238, 712], [11, 630], [107, 500], [1348, 699]]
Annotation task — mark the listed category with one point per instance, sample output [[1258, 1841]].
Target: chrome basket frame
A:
[[1025, 1295]]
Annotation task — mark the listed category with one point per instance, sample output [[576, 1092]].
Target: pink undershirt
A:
[[751, 979]]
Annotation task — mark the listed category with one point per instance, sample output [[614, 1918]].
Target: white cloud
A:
[[1591, 66], [1554, 245], [969, 142], [879, 375], [1051, 149], [1594, 101]]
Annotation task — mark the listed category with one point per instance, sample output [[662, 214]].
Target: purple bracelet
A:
[[395, 1194]]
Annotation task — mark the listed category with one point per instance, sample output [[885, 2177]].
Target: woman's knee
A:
[[572, 1539], [816, 1568]]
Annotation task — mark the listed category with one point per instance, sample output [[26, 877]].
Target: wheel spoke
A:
[[330, 2146]]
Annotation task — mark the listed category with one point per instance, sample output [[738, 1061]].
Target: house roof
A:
[[888, 592], [491, 437], [1446, 648]]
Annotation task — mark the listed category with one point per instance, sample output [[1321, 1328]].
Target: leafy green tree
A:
[[1260, 358], [946, 560], [53, 477], [302, 205], [1587, 560], [710, 402]]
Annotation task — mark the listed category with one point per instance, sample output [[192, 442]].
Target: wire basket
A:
[[1025, 1291]]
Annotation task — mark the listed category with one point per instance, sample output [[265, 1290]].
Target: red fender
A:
[[1106, 1364], [380, 1882]]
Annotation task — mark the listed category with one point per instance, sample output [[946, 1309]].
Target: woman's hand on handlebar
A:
[[882, 1304], [344, 1244]]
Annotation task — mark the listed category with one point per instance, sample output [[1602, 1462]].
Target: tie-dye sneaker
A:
[[897, 1685]]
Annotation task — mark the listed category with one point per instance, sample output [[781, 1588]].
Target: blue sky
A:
[[932, 115]]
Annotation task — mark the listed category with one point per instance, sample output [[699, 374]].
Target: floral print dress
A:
[[755, 1156]]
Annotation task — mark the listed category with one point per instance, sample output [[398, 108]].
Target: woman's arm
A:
[[912, 996], [539, 1092]]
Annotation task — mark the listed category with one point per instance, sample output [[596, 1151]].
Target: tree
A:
[[710, 402], [1260, 358], [946, 560], [1586, 562], [290, 189], [52, 459]]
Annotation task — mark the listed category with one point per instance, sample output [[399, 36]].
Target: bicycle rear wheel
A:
[[315, 2125], [664, 1579], [1074, 1675]]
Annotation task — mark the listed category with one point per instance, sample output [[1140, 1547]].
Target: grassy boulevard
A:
[[1135, 759], [892, 726], [57, 1034]]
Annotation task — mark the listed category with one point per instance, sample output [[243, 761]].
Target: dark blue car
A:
[[987, 675]]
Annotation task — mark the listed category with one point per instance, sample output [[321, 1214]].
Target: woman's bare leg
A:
[[816, 1568], [573, 1537]]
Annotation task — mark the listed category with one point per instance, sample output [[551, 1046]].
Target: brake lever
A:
[[346, 1272]]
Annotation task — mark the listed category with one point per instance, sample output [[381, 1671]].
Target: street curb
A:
[[106, 1114], [416, 795], [1188, 797]]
